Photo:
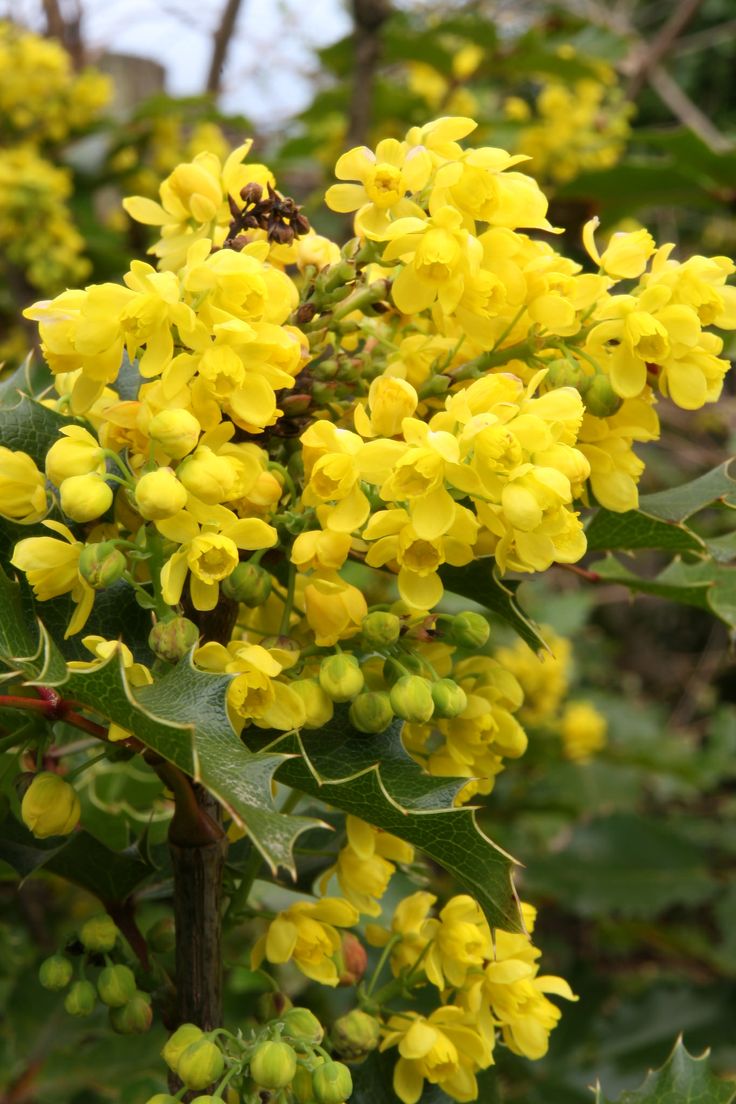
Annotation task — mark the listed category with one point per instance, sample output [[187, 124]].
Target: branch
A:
[[688, 112], [221, 43], [369, 16], [663, 42]]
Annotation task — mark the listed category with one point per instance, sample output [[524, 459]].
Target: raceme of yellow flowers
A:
[[313, 434]]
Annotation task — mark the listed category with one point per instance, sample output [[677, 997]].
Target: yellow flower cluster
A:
[[486, 982], [41, 98]]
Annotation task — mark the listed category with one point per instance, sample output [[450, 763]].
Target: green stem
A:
[[239, 899], [381, 963], [84, 766], [289, 602]]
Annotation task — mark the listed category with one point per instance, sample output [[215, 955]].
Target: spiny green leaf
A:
[[25, 649], [683, 1079], [375, 779], [680, 503], [480, 583]]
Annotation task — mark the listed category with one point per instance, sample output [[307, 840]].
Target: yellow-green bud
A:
[[173, 638], [449, 699], [85, 497], [332, 1083], [50, 806], [176, 431], [273, 1065], [116, 985], [77, 452], [340, 677], [469, 630], [200, 1064], [563, 373], [249, 584], [270, 1006], [207, 1099], [81, 999], [380, 629], [55, 972], [600, 398], [300, 1023], [159, 495], [318, 705], [207, 476], [355, 1035], [177, 1043], [371, 711], [162, 1098], [98, 933], [135, 1017], [102, 564], [411, 699], [161, 936], [301, 1086]]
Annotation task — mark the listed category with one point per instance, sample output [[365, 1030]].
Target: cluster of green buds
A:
[[409, 689], [282, 1062], [129, 1008]]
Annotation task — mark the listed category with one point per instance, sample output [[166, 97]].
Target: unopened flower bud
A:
[[172, 639], [176, 431], [85, 497], [81, 999], [380, 629], [318, 705], [332, 1083], [162, 1098], [301, 1086], [270, 1006], [207, 1099], [353, 959], [411, 699], [200, 1064], [161, 936], [249, 584], [208, 476], [355, 1035], [469, 630], [177, 1043], [159, 495], [273, 1065], [371, 711], [135, 1017], [116, 985], [340, 677], [600, 399], [50, 806], [102, 564], [98, 933], [563, 373], [300, 1023], [55, 972], [449, 699]]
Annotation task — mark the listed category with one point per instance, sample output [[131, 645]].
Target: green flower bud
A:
[[273, 1065], [173, 638], [102, 564], [301, 1086], [162, 1098], [332, 1083], [161, 936], [600, 398], [177, 1043], [355, 1035], [371, 711], [50, 806], [81, 999], [563, 373], [469, 630], [270, 1006], [380, 629], [449, 699], [249, 584], [98, 933], [55, 973], [340, 677], [411, 699], [300, 1023], [207, 1099], [135, 1017], [200, 1064], [116, 985]]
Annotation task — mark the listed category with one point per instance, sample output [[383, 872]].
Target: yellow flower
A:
[[625, 256], [22, 488], [437, 254], [385, 177], [51, 567], [333, 607], [390, 399], [85, 497], [76, 453], [255, 695], [583, 731], [544, 678], [444, 1049], [50, 806], [307, 933], [461, 942], [159, 495], [364, 865]]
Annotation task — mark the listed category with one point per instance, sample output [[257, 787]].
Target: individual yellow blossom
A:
[[390, 400], [444, 1049], [607, 444], [478, 186], [254, 695], [437, 255], [583, 731], [307, 933], [22, 488], [626, 255], [77, 452], [51, 567], [366, 863], [321, 549], [85, 497], [385, 177], [460, 942], [334, 608], [50, 806], [176, 431], [408, 922], [159, 495]]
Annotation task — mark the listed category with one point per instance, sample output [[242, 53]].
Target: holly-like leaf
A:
[[683, 1079], [481, 584], [30, 427], [25, 649], [375, 779]]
